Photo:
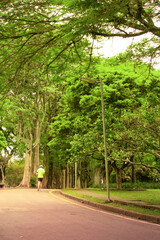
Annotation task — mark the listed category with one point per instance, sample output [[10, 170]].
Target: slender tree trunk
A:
[[71, 178], [58, 178], [64, 179], [50, 174], [75, 174], [68, 175], [133, 170], [79, 176], [36, 146]]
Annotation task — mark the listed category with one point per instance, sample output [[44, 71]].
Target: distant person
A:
[[101, 182], [40, 173]]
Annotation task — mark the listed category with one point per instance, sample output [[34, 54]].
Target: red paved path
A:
[[31, 215]]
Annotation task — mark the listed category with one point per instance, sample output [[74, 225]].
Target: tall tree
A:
[[78, 126]]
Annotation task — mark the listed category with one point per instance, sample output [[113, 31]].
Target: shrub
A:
[[33, 181], [14, 173], [133, 186]]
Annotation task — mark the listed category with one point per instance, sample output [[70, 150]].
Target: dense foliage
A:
[[50, 116], [132, 119]]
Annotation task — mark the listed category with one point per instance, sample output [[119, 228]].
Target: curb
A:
[[149, 206], [145, 217]]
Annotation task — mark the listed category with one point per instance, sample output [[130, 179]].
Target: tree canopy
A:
[[32, 27]]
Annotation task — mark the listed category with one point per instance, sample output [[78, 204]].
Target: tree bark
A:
[[36, 146], [27, 170], [68, 175], [78, 182], [118, 178], [97, 177], [28, 159], [64, 179], [133, 178], [1, 167], [50, 174], [75, 174]]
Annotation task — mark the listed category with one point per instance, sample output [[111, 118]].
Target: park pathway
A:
[[31, 215]]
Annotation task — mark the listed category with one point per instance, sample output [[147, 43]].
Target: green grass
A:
[[150, 196], [90, 198], [147, 196], [153, 212]]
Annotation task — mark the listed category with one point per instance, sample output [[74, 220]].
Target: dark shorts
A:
[[40, 179]]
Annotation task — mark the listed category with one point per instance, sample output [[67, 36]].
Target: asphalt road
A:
[[32, 215]]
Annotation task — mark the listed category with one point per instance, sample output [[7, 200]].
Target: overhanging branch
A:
[[123, 35]]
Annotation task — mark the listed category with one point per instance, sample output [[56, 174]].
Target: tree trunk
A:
[[118, 178], [2, 172], [36, 146], [97, 177], [85, 183], [133, 178], [50, 174], [75, 174], [78, 182], [27, 170], [64, 179], [58, 175], [37, 132], [71, 177], [28, 160], [67, 175]]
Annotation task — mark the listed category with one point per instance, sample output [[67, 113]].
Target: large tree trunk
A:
[[27, 170], [97, 176], [78, 182], [28, 159], [2, 172]]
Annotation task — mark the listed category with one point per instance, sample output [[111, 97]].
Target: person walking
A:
[[40, 173]]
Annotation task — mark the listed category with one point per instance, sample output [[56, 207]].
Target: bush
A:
[[33, 181], [133, 186], [14, 173]]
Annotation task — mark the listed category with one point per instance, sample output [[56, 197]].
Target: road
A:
[[31, 215]]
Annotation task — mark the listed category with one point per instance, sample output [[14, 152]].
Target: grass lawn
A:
[[153, 212], [150, 195]]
